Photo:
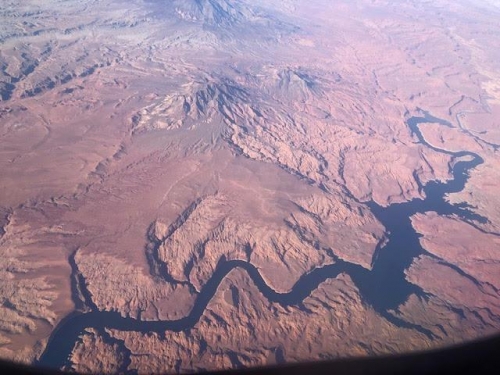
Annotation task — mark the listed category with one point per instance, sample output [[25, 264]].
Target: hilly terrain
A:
[[212, 184]]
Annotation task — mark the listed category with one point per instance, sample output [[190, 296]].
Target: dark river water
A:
[[384, 287]]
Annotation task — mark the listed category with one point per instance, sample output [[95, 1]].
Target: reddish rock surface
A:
[[144, 144]]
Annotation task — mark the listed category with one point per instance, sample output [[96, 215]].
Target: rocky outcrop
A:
[[330, 323], [147, 145]]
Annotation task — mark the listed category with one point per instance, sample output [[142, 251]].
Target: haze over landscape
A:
[[194, 185]]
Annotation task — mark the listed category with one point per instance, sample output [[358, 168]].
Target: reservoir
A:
[[384, 287]]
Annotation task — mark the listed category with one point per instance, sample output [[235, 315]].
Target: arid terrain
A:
[[211, 184]]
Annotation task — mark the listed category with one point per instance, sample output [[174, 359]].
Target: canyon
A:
[[198, 185]]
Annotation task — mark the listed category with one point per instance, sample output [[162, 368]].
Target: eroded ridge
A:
[[215, 178], [202, 317]]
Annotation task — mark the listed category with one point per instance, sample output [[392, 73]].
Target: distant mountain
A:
[[296, 85], [235, 16], [213, 12]]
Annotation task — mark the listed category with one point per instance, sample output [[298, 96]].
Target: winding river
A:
[[384, 287]]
